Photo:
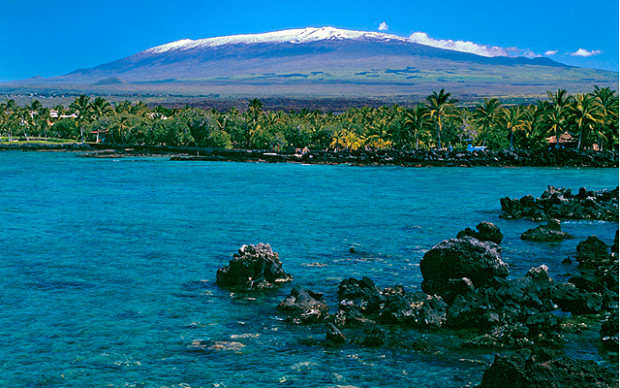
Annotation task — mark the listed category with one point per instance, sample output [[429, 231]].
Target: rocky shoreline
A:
[[413, 158], [465, 289]]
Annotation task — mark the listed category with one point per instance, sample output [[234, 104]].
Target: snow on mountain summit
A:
[[301, 35]]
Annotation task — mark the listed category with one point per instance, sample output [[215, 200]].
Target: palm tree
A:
[[416, 121], [254, 112], [556, 112], [378, 135], [100, 107], [4, 119], [440, 107], [609, 103], [529, 125], [121, 123], [339, 133], [486, 115], [25, 120], [511, 120], [122, 107], [586, 113], [140, 109], [10, 117], [81, 107]]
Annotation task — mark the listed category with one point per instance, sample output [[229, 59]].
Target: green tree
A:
[[511, 120], [555, 114], [81, 107], [440, 109], [609, 128], [416, 123], [586, 113], [254, 113], [486, 117]]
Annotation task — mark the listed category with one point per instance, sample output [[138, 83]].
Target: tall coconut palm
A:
[[4, 119], [140, 109], [486, 116], [586, 113], [122, 107], [81, 107], [254, 113], [528, 126], [121, 124], [609, 102], [416, 121], [25, 120], [100, 107], [337, 138], [556, 112], [511, 120], [440, 108]]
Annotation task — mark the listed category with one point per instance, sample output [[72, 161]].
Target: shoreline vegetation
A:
[[582, 122]]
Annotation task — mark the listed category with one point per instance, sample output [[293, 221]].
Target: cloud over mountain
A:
[[585, 53], [470, 47]]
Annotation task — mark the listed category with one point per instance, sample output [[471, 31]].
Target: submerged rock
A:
[[304, 306], [546, 233], [375, 336], [218, 346], [253, 267]]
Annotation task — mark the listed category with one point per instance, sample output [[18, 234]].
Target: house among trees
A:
[[566, 141]]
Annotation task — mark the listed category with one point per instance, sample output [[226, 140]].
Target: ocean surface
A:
[[108, 266]]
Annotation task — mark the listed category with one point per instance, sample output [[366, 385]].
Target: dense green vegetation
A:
[[591, 119]]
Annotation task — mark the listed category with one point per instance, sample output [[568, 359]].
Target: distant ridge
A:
[[324, 61]]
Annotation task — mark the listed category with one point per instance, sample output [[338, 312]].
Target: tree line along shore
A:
[[586, 121]]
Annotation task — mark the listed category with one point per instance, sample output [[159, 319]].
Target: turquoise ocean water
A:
[[108, 266]]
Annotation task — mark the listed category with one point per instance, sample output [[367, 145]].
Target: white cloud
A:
[[383, 26], [585, 53], [471, 47], [551, 52]]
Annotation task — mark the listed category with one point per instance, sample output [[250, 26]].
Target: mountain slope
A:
[[325, 61]]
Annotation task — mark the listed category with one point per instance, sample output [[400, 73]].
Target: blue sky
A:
[[52, 38]]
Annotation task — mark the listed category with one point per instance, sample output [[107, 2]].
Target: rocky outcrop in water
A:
[[551, 232], [593, 253], [253, 267], [543, 369], [453, 264], [486, 231], [304, 306], [413, 309], [363, 304], [561, 203]]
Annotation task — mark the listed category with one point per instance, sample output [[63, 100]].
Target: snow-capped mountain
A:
[[295, 36], [325, 61]]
